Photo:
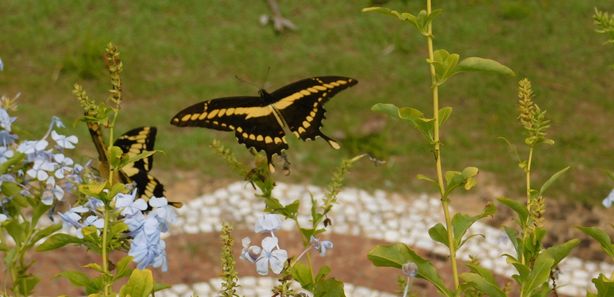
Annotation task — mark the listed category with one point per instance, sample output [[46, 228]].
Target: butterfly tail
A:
[[333, 143]]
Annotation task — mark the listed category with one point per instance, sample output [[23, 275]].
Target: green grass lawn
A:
[[177, 53]]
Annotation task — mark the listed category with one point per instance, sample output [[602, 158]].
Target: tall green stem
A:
[[105, 260], [437, 152], [528, 182]]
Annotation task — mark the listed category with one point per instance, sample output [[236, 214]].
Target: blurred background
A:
[[177, 53]]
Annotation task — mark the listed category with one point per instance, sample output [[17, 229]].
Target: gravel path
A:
[[378, 215]]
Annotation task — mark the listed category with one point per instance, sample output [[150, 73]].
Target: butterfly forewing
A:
[[302, 103], [251, 119]]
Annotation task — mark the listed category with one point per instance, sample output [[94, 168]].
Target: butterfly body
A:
[[261, 122]]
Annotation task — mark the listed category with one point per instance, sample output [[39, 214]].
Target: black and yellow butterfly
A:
[[132, 143], [261, 122]]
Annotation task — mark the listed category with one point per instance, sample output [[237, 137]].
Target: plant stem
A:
[[528, 182], [105, 260], [437, 152]]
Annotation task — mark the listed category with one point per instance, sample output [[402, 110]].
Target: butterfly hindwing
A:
[[137, 141]]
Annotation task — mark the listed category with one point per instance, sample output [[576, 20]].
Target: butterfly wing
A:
[[302, 104], [135, 142], [251, 118]]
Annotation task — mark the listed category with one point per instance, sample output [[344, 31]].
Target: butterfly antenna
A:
[[245, 81], [266, 77]]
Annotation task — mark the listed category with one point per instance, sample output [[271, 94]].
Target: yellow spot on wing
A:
[[334, 144], [230, 111], [305, 92], [239, 129], [287, 101], [194, 116], [268, 139], [222, 111], [254, 112], [277, 140], [309, 118], [306, 124], [301, 130], [212, 114], [259, 138], [186, 118], [252, 137], [321, 88]]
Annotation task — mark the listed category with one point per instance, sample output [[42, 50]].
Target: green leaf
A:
[[92, 189], [329, 288], [483, 65], [605, 287], [140, 284], [387, 108], [462, 222], [483, 272], [77, 278], [40, 234], [135, 158], [115, 157], [302, 274], [412, 115], [517, 207], [444, 114], [600, 236], [539, 275], [17, 230], [445, 64], [482, 284], [397, 254], [438, 233], [511, 234], [56, 241], [426, 178], [403, 16], [10, 162], [552, 179], [122, 268], [560, 251], [26, 284], [94, 266]]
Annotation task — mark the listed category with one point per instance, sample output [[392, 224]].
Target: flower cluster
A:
[[146, 220], [40, 170], [269, 254]]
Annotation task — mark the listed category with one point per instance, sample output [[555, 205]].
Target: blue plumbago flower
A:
[[30, 147], [3, 217], [271, 255], [164, 213], [6, 138], [5, 154], [40, 169], [6, 120], [128, 205], [268, 223], [71, 219], [321, 245], [608, 201], [1, 65], [147, 247], [95, 221], [56, 122], [67, 142], [52, 190], [94, 204], [6, 178], [64, 165], [409, 269], [249, 252]]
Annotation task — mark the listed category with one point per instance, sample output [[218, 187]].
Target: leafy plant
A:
[[108, 216], [443, 65], [270, 254]]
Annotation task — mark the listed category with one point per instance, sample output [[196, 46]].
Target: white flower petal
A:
[[278, 260], [262, 265], [269, 243]]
